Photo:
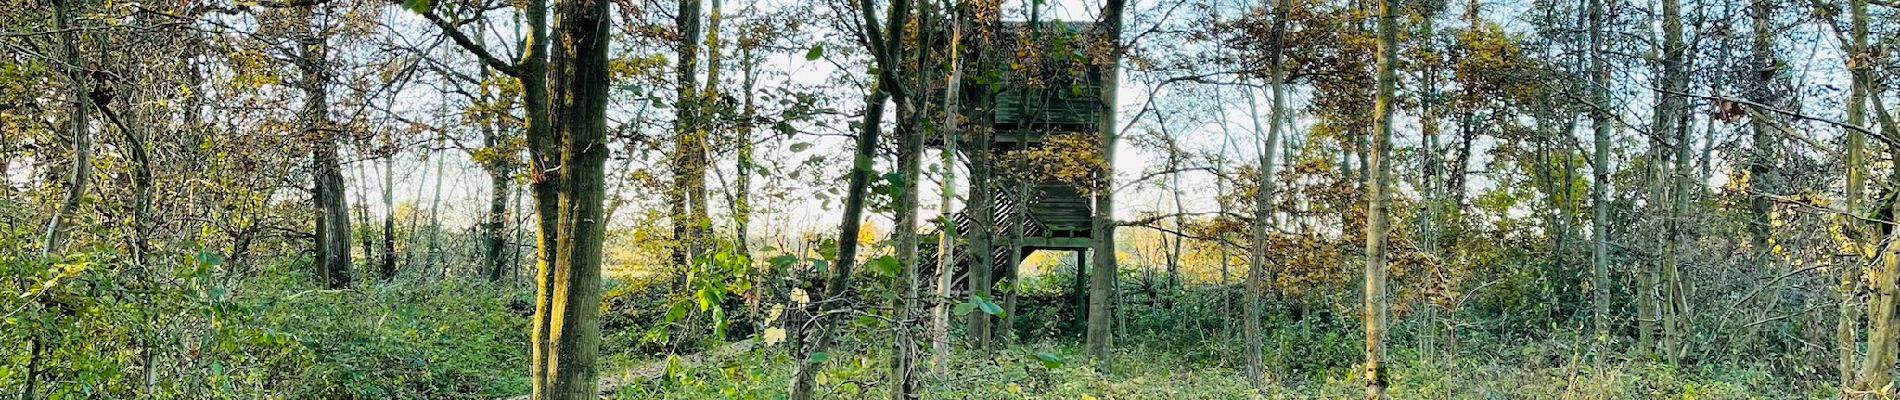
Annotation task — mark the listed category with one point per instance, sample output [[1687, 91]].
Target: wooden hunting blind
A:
[[1022, 87]]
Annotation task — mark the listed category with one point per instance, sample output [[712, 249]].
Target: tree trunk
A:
[[687, 145], [389, 217], [981, 208], [495, 224], [1263, 199], [1379, 167], [434, 252], [1675, 75], [804, 368], [142, 223], [1600, 185], [545, 183], [742, 199], [82, 140], [1100, 338], [1846, 336], [947, 246], [568, 323], [1761, 169], [910, 156], [333, 219]]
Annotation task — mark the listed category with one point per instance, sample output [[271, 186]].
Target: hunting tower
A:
[[1030, 89]]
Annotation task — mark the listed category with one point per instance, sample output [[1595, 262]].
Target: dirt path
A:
[[611, 382]]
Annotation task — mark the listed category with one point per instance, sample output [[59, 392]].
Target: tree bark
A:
[[434, 252], [947, 246], [389, 217], [1380, 168], [1600, 122], [568, 327], [1675, 75], [982, 208], [688, 146], [82, 139], [494, 226], [1100, 339], [885, 48], [742, 200], [910, 156], [1849, 286], [1263, 199], [333, 214]]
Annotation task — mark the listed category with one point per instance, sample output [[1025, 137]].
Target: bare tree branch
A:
[[465, 42]]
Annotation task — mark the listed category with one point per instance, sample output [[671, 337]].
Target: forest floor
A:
[[458, 340], [1150, 373]]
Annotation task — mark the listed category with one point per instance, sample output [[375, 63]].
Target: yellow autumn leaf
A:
[[773, 336]]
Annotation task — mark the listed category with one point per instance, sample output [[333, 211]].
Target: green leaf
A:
[[800, 146], [895, 178], [706, 298], [209, 258], [678, 310], [887, 265], [990, 307], [782, 260], [816, 51], [419, 6], [817, 357], [828, 247], [1049, 360]]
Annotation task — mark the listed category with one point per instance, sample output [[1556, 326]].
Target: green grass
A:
[[1145, 372]]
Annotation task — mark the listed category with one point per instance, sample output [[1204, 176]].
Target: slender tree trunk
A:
[[1676, 76], [1431, 183], [982, 203], [546, 184], [687, 146], [1764, 154], [709, 111], [516, 242], [1263, 198], [1256, 273], [434, 252], [389, 217], [742, 200], [569, 318], [1600, 185], [1846, 333], [982, 207], [1100, 339], [910, 156], [947, 246], [1013, 265], [82, 139], [140, 229], [1379, 167], [495, 224], [804, 368]]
